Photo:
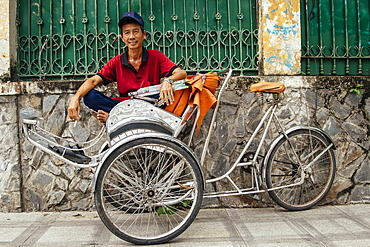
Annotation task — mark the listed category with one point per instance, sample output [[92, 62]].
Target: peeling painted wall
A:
[[4, 39], [280, 37]]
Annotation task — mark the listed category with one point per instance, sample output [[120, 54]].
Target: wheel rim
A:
[[315, 180], [149, 192]]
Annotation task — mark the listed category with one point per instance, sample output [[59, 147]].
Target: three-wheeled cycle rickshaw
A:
[[148, 184]]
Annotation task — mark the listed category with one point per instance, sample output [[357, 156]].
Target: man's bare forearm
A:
[[87, 86], [178, 74]]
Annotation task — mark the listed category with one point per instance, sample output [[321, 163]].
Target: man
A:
[[132, 70]]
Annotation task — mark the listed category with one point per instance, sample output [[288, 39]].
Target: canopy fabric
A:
[[201, 94]]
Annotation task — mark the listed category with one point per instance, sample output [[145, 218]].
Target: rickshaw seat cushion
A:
[[201, 94], [180, 103]]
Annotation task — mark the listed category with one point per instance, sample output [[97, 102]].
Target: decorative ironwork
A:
[[76, 38], [336, 37], [106, 19], [175, 17]]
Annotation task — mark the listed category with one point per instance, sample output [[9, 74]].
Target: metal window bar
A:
[[73, 39], [335, 37]]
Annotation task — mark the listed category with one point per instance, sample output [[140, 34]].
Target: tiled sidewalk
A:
[[347, 225]]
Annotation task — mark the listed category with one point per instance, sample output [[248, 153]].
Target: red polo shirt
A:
[[154, 66]]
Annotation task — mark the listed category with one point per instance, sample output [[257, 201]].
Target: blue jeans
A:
[[95, 100]]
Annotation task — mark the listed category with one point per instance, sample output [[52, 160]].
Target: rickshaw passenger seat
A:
[[138, 115]]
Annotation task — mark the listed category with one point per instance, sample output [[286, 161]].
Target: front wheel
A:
[[300, 170], [149, 191]]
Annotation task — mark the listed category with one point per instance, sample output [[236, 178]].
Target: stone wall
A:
[[31, 180]]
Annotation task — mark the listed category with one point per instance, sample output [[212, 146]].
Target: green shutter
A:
[[335, 37], [75, 38]]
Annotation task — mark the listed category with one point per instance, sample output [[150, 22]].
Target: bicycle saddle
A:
[[267, 87]]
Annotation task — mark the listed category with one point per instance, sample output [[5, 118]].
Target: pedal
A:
[[246, 169]]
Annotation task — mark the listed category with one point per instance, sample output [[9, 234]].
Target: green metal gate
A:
[[74, 38], [335, 37]]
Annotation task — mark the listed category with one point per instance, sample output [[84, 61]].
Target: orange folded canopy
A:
[[201, 94]]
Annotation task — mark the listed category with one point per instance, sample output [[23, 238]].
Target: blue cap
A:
[[133, 16]]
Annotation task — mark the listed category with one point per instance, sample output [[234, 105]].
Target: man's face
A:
[[132, 35]]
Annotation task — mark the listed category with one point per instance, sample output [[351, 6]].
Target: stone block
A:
[[36, 159], [229, 112], [212, 148], [341, 111], [360, 193], [222, 133], [82, 204], [75, 182], [57, 118], [57, 197], [339, 185], [349, 170], [229, 147], [354, 131], [285, 113], [367, 107], [239, 125], [332, 128], [353, 99], [5, 199], [230, 98], [68, 172], [363, 173], [322, 115], [61, 183], [219, 166], [34, 201], [314, 100], [79, 133], [84, 185], [42, 179], [49, 103], [351, 152], [50, 167]]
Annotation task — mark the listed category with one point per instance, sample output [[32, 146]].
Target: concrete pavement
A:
[[347, 225]]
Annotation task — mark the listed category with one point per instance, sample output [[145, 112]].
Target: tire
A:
[[283, 169], [149, 191]]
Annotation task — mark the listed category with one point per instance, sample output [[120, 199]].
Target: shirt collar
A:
[[144, 57]]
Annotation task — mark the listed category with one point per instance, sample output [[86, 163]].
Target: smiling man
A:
[[137, 67]]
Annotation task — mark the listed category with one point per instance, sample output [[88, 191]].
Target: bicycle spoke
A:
[[302, 168], [150, 191]]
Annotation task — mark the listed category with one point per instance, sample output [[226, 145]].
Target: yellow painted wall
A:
[[280, 37]]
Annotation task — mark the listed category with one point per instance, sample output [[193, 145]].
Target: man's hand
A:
[[166, 88], [74, 104], [74, 109], [166, 93]]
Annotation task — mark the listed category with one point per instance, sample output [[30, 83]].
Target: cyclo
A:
[[148, 184]]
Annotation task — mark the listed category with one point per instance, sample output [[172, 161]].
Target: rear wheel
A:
[[149, 191], [301, 169]]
